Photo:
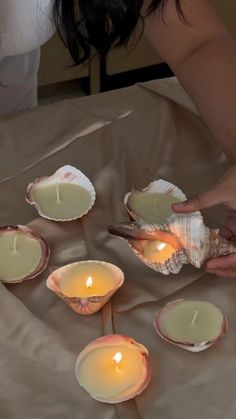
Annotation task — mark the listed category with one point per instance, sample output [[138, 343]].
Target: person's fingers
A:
[[229, 230], [224, 273], [222, 263], [207, 199]]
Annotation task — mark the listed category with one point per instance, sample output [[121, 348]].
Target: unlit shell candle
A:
[[23, 254], [193, 325], [65, 196]]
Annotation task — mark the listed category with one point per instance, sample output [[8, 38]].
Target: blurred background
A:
[[59, 79]]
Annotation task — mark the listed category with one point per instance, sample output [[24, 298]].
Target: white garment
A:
[[18, 82], [24, 26]]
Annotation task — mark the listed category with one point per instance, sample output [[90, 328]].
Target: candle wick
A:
[[155, 204], [58, 193], [14, 245], [195, 318]]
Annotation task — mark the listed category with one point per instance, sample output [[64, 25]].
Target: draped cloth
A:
[[118, 139]]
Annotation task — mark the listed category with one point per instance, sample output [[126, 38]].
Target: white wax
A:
[[63, 201], [192, 322], [101, 377], [152, 207], [73, 283], [19, 255]]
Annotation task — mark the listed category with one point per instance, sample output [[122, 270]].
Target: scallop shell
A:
[[117, 340], [89, 305], [44, 246], [158, 186], [66, 174], [193, 242], [192, 347]]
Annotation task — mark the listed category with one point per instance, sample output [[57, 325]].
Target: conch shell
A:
[[85, 305], [189, 240], [116, 340], [65, 175]]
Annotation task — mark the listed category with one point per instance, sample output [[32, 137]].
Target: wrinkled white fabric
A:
[[24, 25]]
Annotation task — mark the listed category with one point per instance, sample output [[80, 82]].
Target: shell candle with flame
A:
[[113, 369], [177, 240], [24, 254], [86, 286], [191, 325], [65, 196]]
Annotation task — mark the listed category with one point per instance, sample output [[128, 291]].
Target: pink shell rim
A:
[[44, 261], [187, 345], [52, 283], [114, 340], [39, 179]]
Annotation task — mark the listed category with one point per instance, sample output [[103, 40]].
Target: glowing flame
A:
[[117, 358], [161, 246], [89, 282]]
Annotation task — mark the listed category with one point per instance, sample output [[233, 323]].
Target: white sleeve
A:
[[24, 25]]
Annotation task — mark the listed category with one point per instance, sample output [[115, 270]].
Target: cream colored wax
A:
[[102, 377], [152, 207], [62, 201], [19, 255], [73, 282], [157, 251], [193, 322]]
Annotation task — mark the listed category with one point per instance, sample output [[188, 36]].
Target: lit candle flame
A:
[[161, 246], [117, 358], [89, 282]]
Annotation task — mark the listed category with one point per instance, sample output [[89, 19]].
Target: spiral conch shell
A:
[[186, 238]]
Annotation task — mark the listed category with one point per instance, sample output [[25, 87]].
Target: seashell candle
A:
[[24, 254], [86, 286], [113, 369], [191, 325], [178, 240], [65, 196], [153, 203]]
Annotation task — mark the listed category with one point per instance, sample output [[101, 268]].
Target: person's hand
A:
[[224, 192]]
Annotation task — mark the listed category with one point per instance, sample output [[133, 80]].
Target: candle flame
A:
[[161, 246], [89, 282], [117, 358]]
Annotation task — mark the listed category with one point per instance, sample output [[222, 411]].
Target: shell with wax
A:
[[192, 242], [191, 347], [118, 340], [64, 175], [159, 187], [85, 305], [44, 260]]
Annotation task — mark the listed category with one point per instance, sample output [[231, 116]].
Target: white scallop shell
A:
[[158, 186], [158, 320], [66, 174]]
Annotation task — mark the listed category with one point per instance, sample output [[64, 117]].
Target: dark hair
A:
[[100, 24]]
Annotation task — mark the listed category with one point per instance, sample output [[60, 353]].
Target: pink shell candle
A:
[[65, 196], [86, 286], [24, 254], [113, 369], [191, 325]]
